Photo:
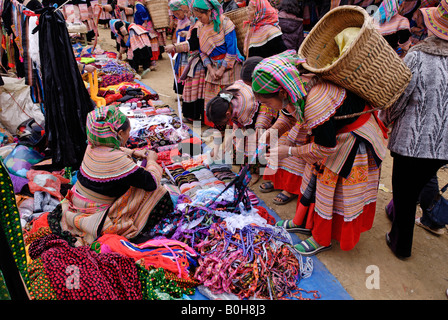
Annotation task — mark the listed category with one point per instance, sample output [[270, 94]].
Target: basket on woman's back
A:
[[369, 67]]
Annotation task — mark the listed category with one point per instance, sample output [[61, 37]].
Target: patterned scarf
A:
[[265, 14], [102, 126], [188, 3], [216, 10], [10, 223], [280, 71], [175, 5], [387, 10]]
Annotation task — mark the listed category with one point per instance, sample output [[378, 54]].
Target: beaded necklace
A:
[[156, 285]]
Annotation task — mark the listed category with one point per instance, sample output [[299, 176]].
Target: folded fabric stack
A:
[[222, 172], [186, 181], [159, 130], [206, 177]]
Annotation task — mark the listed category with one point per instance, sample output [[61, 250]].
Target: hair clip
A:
[[286, 113], [226, 96]]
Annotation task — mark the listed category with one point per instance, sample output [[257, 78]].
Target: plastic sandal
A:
[[285, 199], [289, 226], [268, 187], [310, 247], [433, 231]]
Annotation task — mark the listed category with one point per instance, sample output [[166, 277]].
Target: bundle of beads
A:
[[252, 262]]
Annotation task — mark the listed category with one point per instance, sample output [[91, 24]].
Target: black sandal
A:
[[284, 199], [266, 187]]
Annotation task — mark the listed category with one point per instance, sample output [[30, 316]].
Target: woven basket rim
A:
[[233, 11], [236, 13], [364, 26]]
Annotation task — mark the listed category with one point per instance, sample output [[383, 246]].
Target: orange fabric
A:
[[41, 222]]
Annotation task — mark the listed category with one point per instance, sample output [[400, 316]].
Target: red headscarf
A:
[[265, 14]]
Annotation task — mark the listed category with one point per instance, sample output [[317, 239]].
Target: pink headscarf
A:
[[265, 14]]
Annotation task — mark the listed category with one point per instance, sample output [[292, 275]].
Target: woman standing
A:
[[337, 198], [193, 76], [419, 137], [290, 18], [134, 41], [264, 37], [218, 48], [182, 26], [143, 18]]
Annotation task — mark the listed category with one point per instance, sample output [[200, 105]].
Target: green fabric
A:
[[10, 222], [86, 60], [4, 293], [185, 3], [102, 126]]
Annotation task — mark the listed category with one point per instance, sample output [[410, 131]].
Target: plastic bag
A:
[[46, 182], [16, 104]]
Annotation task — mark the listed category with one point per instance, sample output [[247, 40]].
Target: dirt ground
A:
[[424, 276]]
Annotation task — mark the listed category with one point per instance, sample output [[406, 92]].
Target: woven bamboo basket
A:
[[158, 9], [369, 67], [238, 16]]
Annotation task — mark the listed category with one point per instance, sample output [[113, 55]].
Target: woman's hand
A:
[[151, 156], [170, 48], [212, 71], [277, 153], [264, 137], [219, 73], [89, 68], [139, 153]]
